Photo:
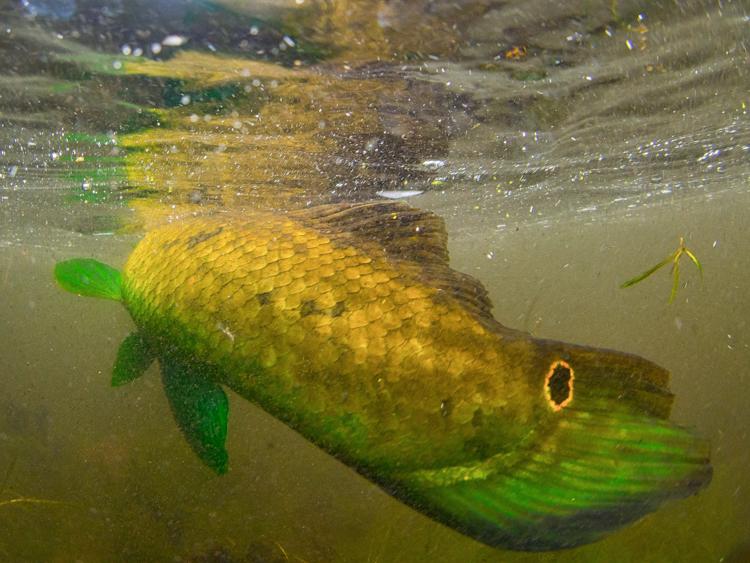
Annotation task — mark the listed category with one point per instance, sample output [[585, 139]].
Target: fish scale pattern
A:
[[335, 340]]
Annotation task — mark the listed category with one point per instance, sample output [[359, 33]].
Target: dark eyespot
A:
[[558, 385], [307, 308]]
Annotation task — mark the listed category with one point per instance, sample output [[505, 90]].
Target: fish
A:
[[345, 322]]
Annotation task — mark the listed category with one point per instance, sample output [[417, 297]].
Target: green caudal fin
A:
[[134, 357], [89, 278], [596, 475], [201, 409], [610, 458]]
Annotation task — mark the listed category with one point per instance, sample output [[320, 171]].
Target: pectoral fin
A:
[[200, 408], [134, 357], [89, 278]]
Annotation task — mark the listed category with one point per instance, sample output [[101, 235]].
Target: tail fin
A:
[[595, 476], [611, 457], [89, 278]]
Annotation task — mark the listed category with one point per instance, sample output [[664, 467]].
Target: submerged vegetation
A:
[[675, 272], [18, 499]]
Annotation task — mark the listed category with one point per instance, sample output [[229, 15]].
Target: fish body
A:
[[346, 323]]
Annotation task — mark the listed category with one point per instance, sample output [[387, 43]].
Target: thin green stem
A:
[[675, 271], [647, 273]]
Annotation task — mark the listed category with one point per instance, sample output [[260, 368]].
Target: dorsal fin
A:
[[410, 238], [403, 233]]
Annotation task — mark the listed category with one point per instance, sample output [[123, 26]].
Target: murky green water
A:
[[567, 145]]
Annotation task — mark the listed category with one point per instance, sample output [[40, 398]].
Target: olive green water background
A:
[[558, 181]]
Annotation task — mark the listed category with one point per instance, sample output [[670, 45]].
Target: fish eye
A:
[[558, 385]]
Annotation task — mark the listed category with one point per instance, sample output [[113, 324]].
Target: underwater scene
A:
[[341, 281]]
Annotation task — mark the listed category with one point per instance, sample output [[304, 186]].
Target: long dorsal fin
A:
[[403, 232], [411, 238]]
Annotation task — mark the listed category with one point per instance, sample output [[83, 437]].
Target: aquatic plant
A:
[[675, 269], [21, 499]]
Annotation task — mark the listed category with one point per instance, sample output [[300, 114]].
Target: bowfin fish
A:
[[346, 323]]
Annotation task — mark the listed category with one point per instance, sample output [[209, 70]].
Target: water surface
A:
[[569, 148]]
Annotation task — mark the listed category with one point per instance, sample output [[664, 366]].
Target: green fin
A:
[[201, 408], [594, 476], [89, 278], [609, 457], [134, 357]]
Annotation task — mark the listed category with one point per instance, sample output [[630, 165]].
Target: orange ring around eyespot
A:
[[555, 407]]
